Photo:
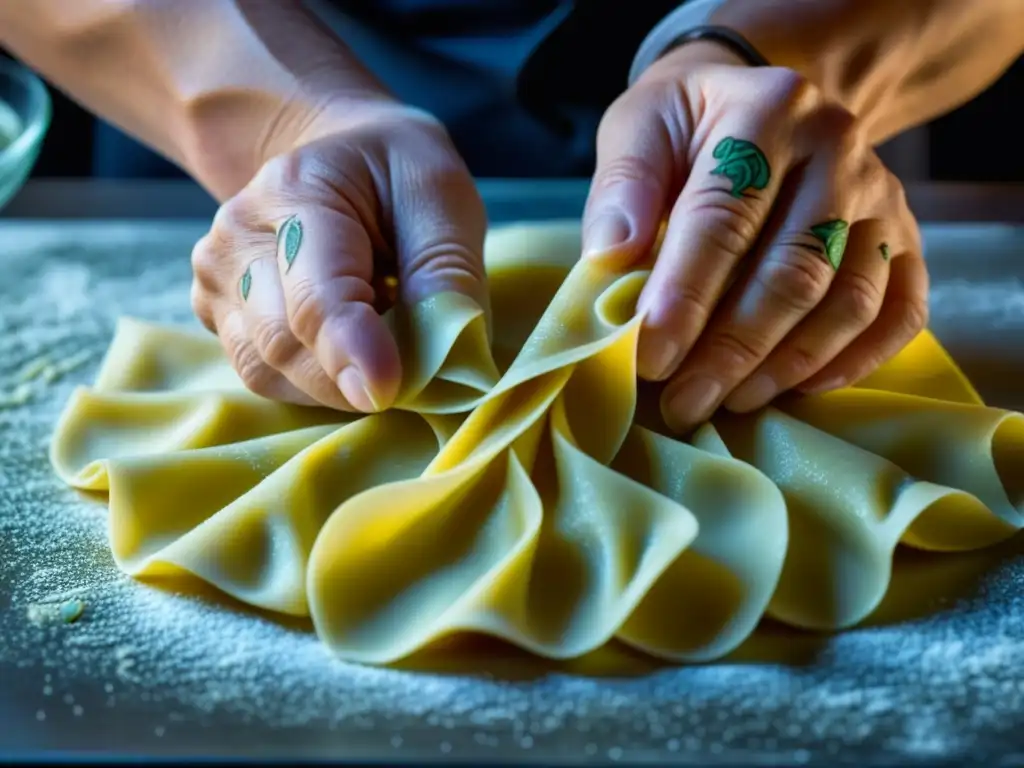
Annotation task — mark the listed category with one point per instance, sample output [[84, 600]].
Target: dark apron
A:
[[520, 84]]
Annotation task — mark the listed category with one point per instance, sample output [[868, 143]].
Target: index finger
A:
[[325, 258], [714, 223]]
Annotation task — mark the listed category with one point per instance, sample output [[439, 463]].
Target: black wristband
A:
[[732, 40]]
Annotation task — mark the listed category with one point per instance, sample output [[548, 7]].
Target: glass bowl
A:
[[24, 119]]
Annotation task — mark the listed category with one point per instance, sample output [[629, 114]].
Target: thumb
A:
[[439, 227], [636, 165]]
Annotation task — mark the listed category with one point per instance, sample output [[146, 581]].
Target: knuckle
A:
[[255, 374], [913, 317], [899, 197], [692, 306], [305, 173], [623, 111], [306, 310], [232, 217], [796, 279], [874, 176], [631, 169], [201, 305], [802, 362], [738, 351], [729, 225], [860, 299], [446, 259], [788, 89], [833, 132], [362, 313], [842, 125], [204, 260], [275, 342], [280, 172]]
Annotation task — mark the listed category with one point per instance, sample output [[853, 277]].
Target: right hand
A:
[[296, 314]]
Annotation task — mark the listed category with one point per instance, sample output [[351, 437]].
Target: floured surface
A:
[[172, 667]]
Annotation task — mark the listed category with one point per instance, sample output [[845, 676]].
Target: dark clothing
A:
[[520, 84]]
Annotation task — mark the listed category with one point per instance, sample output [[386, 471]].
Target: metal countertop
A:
[[138, 676]]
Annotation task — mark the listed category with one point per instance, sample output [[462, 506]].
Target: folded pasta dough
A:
[[520, 487]]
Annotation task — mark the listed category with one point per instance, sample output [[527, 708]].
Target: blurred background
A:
[[980, 142]]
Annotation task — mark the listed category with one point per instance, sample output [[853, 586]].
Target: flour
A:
[[176, 662]]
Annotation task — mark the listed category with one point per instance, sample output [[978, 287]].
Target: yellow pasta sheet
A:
[[523, 488]]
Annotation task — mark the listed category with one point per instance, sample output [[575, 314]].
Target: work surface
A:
[[150, 672]]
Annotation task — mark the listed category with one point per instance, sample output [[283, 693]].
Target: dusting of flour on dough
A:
[[162, 665]]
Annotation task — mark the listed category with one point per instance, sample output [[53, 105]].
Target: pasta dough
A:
[[524, 488]]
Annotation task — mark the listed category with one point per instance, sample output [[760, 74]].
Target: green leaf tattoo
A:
[[246, 283], [742, 163], [833, 235], [884, 250], [290, 234]]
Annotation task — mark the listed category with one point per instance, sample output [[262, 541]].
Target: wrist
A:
[[692, 54], [275, 70]]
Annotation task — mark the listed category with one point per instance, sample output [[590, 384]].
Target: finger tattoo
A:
[[290, 234], [743, 164], [884, 250], [245, 284], [833, 235]]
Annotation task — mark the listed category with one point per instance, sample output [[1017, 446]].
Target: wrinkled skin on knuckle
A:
[[632, 169], [913, 316], [253, 371], [860, 299], [314, 172], [690, 307], [736, 351], [275, 342], [453, 264], [649, 117], [797, 279], [306, 310], [801, 362], [727, 224]]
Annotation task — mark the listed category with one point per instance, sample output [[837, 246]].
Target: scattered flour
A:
[[180, 661]]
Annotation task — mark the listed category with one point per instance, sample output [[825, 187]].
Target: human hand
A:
[[790, 257], [287, 276]]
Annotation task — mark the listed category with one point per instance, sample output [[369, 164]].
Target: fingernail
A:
[[656, 356], [692, 403], [826, 386], [609, 231], [752, 394], [353, 387]]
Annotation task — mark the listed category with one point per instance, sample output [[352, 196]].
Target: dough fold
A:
[[523, 487]]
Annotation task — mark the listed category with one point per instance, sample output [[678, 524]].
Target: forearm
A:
[[208, 83], [893, 64]]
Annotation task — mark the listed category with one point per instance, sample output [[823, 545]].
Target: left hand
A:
[[790, 258]]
